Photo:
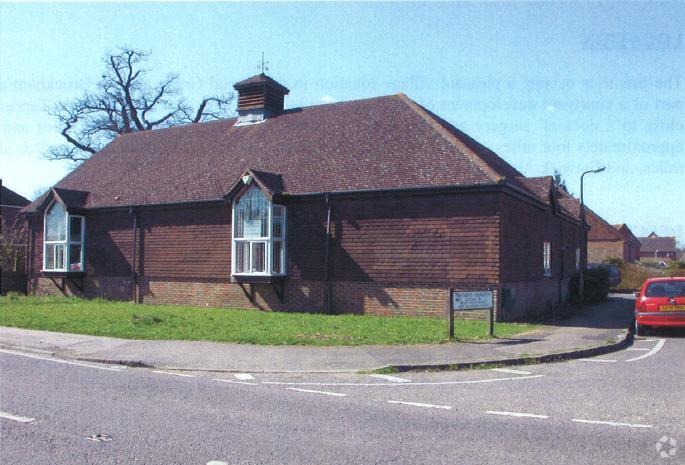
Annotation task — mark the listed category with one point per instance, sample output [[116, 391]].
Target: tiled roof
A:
[[9, 197], [379, 143], [540, 186], [569, 204], [600, 229], [627, 233], [261, 79], [662, 244]]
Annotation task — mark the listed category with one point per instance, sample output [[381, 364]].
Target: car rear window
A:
[[666, 289]]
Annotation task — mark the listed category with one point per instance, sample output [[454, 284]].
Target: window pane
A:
[[278, 211], [56, 223], [252, 213], [239, 218], [60, 257], [50, 256], [75, 258], [277, 229], [258, 257], [276, 257], [242, 256], [75, 228]]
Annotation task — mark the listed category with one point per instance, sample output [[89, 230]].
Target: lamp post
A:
[[583, 237]]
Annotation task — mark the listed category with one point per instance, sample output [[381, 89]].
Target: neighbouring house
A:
[[607, 241], [12, 241], [655, 247], [373, 206]]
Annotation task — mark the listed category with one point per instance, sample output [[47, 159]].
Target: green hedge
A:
[[596, 286]]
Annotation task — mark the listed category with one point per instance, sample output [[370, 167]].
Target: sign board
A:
[[252, 228], [471, 300]]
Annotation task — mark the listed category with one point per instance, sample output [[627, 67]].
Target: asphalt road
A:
[[580, 412]]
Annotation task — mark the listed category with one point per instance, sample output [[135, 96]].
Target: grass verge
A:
[[127, 320]]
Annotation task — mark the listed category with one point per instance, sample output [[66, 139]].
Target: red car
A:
[[660, 302]]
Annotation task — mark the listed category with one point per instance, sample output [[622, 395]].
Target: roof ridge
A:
[[450, 137]]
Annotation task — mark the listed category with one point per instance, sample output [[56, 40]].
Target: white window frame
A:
[[547, 258], [66, 243], [268, 240]]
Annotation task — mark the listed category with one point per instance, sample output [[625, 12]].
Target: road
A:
[[607, 410]]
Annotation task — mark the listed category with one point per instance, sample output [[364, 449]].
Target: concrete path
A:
[[598, 326]]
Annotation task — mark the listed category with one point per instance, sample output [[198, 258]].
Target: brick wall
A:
[[389, 255], [599, 251]]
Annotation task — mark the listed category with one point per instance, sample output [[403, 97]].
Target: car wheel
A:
[[639, 329]]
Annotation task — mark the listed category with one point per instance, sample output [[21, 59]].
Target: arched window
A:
[[63, 240], [258, 235]]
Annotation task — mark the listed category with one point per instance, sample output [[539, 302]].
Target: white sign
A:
[[471, 300], [252, 228]]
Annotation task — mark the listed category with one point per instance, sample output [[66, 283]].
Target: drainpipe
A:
[[563, 260], [134, 275], [328, 291]]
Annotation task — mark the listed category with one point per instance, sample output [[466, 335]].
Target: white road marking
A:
[[596, 360], [612, 423], [394, 379], [234, 382], [517, 414], [637, 348], [435, 383], [9, 416], [509, 370], [419, 404], [244, 376], [659, 345], [66, 362], [325, 393], [648, 340], [217, 462], [172, 373]]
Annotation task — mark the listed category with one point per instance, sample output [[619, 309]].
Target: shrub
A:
[[676, 265], [596, 286], [614, 261]]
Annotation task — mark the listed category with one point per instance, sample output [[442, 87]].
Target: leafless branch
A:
[[122, 102]]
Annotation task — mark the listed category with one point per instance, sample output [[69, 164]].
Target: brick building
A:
[[12, 241], [655, 247], [607, 241], [370, 206]]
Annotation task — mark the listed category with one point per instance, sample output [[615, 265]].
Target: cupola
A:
[[259, 97]]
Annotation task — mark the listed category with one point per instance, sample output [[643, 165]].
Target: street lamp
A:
[[583, 236]]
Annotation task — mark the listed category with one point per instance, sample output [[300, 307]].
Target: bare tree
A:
[[12, 247], [123, 102]]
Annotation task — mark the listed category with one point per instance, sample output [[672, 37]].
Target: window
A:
[[547, 258], [258, 235], [577, 258], [63, 240]]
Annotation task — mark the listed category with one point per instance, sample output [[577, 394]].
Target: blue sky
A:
[[567, 86]]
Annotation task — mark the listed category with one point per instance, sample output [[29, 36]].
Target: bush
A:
[[614, 261], [676, 265], [596, 283]]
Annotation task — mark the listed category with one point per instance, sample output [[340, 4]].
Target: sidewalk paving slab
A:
[[598, 328]]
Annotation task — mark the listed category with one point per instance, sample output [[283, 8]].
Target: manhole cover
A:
[[100, 437]]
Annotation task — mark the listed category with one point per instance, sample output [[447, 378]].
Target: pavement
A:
[[597, 330]]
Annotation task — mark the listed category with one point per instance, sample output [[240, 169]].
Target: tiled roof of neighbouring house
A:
[[379, 143], [662, 244], [9, 197]]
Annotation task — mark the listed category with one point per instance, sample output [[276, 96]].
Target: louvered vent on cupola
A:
[[259, 97]]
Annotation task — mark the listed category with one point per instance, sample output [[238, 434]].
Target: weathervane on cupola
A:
[[264, 66], [259, 97]]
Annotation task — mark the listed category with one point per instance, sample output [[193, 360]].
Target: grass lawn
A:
[[131, 321]]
